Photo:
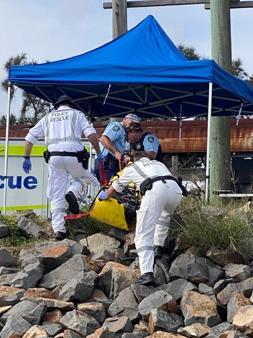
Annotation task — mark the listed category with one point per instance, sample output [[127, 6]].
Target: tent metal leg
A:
[[6, 145], [210, 97]]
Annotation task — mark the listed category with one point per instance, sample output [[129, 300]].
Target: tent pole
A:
[[210, 97], [6, 145]]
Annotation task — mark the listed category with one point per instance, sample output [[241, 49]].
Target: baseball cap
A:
[[133, 117], [62, 99]]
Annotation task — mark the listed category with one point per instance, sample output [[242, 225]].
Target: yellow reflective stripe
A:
[[19, 150], [24, 207]]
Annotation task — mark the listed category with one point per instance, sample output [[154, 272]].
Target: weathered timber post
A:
[[119, 17], [220, 157]]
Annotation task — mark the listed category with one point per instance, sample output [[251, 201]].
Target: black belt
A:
[[63, 153], [147, 184]]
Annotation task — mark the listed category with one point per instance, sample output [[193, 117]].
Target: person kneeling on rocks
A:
[[161, 195]]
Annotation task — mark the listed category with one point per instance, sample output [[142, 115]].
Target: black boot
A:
[[158, 251], [146, 279], [72, 201], [59, 236]]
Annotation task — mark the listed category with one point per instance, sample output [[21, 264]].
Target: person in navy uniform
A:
[[113, 144], [144, 141]]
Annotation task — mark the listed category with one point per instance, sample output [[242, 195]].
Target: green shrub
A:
[[203, 226]]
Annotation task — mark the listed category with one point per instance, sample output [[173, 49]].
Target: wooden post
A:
[[119, 17], [220, 157]]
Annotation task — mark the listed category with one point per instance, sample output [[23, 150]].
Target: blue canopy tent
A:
[[143, 72]]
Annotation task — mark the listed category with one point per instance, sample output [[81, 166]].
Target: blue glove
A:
[[102, 195], [27, 165], [100, 156]]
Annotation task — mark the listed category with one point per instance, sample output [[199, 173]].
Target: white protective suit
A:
[[62, 130], [157, 206]]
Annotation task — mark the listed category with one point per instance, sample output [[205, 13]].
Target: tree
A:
[[189, 52], [30, 103]]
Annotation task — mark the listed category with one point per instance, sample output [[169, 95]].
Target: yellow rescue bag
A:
[[110, 212]]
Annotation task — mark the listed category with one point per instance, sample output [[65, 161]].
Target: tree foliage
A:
[[31, 105]]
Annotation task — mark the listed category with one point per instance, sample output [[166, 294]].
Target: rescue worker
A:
[[62, 129], [161, 195], [113, 143], [144, 141]]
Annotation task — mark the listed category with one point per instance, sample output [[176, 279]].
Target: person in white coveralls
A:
[[161, 195], [62, 129]]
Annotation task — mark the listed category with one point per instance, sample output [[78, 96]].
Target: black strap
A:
[[63, 153], [164, 178]]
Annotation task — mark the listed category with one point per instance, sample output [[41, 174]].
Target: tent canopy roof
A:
[[142, 71]]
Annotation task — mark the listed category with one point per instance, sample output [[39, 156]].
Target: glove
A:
[[27, 165], [102, 195], [100, 156]]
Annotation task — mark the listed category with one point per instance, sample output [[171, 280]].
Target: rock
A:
[[35, 331], [142, 291], [195, 330], [95, 310], [15, 326], [4, 230], [51, 329], [28, 310], [161, 334], [199, 308], [29, 228], [161, 320], [243, 320], [80, 322], [115, 277], [125, 305], [195, 269], [10, 295], [6, 258], [79, 289], [29, 277], [235, 302], [238, 272], [245, 287], [99, 243], [75, 266], [118, 325], [157, 300], [178, 287]]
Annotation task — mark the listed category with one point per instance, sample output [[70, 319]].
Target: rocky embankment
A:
[[59, 289]]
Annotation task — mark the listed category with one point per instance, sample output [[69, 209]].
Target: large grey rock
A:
[[195, 269], [238, 272], [215, 331], [75, 266], [10, 295], [79, 289], [245, 287], [29, 228], [29, 277], [100, 243], [51, 328], [15, 326], [30, 311], [162, 320], [125, 305], [235, 302], [142, 291], [93, 309], [51, 254], [80, 322], [118, 325], [199, 308], [7, 279], [114, 277], [157, 300], [177, 288], [6, 258], [4, 230]]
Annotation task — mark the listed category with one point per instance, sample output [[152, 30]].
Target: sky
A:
[[49, 30]]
